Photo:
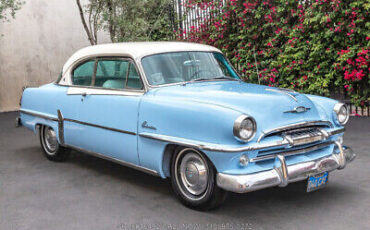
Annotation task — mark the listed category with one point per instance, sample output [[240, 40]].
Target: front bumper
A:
[[283, 174]]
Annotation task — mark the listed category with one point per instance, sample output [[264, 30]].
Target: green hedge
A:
[[318, 47]]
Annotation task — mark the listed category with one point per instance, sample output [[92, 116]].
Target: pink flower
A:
[[277, 31]]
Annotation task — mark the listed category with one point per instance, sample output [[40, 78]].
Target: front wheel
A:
[[193, 179], [49, 143]]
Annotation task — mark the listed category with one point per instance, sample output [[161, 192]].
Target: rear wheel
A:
[[49, 143], [193, 179]]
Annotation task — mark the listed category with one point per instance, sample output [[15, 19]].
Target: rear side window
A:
[[82, 75], [117, 74]]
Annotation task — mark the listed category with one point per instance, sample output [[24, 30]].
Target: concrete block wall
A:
[[35, 45]]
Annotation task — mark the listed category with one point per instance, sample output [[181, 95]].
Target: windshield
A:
[[178, 67]]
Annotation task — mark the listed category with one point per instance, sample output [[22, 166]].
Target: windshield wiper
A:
[[200, 79], [213, 78], [224, 77], [210, 79]]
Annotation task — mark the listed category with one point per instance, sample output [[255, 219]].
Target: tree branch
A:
[[88, 32]]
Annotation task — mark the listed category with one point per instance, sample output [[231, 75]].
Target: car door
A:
[[108, 110]]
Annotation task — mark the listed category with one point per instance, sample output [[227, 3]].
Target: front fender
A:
[[187, 119], [201, 122], [325, 106]]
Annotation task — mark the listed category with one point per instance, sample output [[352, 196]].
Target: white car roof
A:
[[135, 50]]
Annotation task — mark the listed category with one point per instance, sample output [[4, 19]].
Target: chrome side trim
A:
[[337, 131], [291, 152], [284, 174], [115, 160], [47, 117], [99, 126], [60, 127], [79, 90], [61, 120], [223, 148], [294, 126]]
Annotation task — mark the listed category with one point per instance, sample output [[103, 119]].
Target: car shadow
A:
[[277, 201], [119, 172], [266, 201]]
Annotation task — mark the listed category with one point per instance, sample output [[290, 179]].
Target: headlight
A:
[[244, 128], [341, 113]]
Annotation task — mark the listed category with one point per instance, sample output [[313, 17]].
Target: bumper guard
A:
[[282, 174]]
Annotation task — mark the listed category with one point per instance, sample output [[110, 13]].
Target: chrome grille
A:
[[309, 131], [300, 140], [294, 127], [268, 155]]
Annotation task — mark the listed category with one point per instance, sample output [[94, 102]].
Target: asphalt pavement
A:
[[90, 193]]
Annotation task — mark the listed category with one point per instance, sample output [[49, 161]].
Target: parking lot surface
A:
[[90, 193]]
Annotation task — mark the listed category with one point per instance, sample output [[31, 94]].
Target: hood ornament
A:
[[299, 109], [287, 92]]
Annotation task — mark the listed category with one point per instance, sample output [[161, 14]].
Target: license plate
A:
[[317, 181]]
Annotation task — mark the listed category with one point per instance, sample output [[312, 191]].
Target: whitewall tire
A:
[[193, 179], [49, 143]]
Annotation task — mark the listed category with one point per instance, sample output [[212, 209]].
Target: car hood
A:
[[269, 106]]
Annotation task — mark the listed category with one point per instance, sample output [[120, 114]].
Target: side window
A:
[[82, 75], [111, 74], [117, 74], [133, 78]]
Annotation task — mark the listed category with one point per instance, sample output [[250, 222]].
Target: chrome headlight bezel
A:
[[337, 109], [237, 128]]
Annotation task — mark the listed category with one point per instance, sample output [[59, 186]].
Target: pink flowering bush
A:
[[318, 46]]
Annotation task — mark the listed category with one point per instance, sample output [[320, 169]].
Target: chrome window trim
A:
[[66, 79], [221, 148], [77, 90], [95, 60], [294, 126], [139, 62]]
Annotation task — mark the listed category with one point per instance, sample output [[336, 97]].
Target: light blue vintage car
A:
[[180, 111]]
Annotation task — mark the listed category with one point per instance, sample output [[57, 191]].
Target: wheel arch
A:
[[169, 152]]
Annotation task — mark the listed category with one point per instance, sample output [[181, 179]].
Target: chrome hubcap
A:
[[193, 173], [50, 139]]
